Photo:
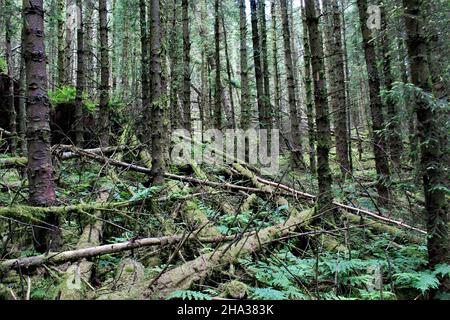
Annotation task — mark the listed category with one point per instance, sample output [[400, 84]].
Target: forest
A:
[[224, 149]]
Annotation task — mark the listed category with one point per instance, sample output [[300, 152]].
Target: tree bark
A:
[[186, 67], [9, 61], [309, 97], [265, 64], [81, 79], [295, 123], [393, 128], [258, 67], [432, 154], [325, 198], [40, 170], [103, 119], [337, 83], [376, 107], [245, 91], [218, 80], [157, 109]]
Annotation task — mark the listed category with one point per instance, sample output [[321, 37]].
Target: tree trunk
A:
[[218, 89], [393, 128], [245, 91], [276, 70], [79, 128], [144, 55], [337, 83], [40, 171], [186, 67], [157, 109], [432, 154], [325, 198], [61, 48], [309, 97], [258, 67], [376, 107], [103, 119], [265, 63], [9, 61], [295, 123], [232, 122]]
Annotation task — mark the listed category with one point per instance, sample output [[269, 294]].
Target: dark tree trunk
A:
[[394, 133], [40, 171], [376, 107], [245, 97], [265, 63], [324, 178], [337, 83], [144, 55], [157, 109], [61, 45], [186, 68], [9, 61], [232, 122], [218, 89], [295, 123], [276, 70], [430, 128], [309, 97], [103, 120], [258, 66], [79, 129]]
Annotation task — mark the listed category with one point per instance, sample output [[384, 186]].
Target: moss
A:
[[235, 290]]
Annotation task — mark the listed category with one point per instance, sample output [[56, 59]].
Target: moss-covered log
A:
[[184, 276], [73, 255], [16, 162]]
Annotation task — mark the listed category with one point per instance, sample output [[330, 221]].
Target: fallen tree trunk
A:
[[184, 276], [340, 205], [72, 255], [77, 276], [16, 162]]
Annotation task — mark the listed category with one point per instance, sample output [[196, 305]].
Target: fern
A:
[[188, 295], [267, 294]]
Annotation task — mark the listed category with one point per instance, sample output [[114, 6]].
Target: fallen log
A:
[[77, 276], [184, 276], [73, 255], [16, 162]]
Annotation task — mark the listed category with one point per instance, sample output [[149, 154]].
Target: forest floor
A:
[[240, 236]]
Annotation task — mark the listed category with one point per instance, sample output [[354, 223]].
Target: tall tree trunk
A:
[[218, 88], [276, 70], [295, 123], [324, 178], [376, 107], [245, 94], [265, 63], [157, 109], [144, 55], [309, 97], [103, 119], [394, 133], [232, 123], [40, 171], [337, 83], [89, 47], [68, 50], [430, 128], [79, 128], [258, 66], [9, 61], [186, 67], [61, 48]]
